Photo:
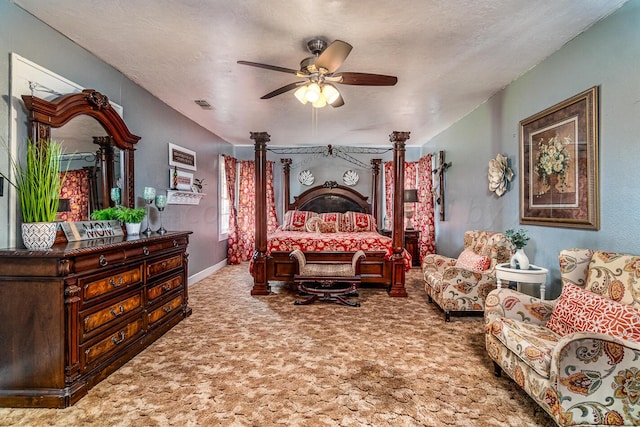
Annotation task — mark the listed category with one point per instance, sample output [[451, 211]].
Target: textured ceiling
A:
[[449, 57]]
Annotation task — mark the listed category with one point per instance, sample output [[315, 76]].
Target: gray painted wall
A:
[[608, 56], [145, 116]]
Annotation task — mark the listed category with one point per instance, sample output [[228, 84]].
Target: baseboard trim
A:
[[206, 272]]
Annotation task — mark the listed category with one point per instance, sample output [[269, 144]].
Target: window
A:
[[224, 204]]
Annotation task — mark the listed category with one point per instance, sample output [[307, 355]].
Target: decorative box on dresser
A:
[[72, 315], [411, 239]]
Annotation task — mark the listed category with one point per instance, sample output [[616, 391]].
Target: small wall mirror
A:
[[97, 143]]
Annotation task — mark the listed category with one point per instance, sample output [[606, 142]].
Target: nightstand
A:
[[411, 238]]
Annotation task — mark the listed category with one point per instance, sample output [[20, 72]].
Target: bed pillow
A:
[[357, 221], [470, 260], [296, 220], [312, 224], [326, 227], [579, 310]]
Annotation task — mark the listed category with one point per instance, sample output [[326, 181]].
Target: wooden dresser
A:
[[72, 315]]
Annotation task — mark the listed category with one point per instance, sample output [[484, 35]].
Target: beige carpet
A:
[[260, 361]]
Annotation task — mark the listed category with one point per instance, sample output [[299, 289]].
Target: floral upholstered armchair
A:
[[461, 285], [577, 356]]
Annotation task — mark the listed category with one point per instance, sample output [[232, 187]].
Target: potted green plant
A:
[[38, 181], [106, 214], [132, 218], [519, 240]]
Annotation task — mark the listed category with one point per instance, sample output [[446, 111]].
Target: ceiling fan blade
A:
[[283, 89], [365, 79], [333, 56], [269, 67], [339, 102]]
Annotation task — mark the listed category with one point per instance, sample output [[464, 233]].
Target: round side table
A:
[[534, 274]]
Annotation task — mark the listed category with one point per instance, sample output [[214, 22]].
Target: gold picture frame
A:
[[559, 164]]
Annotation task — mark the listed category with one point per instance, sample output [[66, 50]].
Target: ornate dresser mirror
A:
[[103, 127]]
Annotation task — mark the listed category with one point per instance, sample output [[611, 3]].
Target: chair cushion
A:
[[328, 270], [579, 310], [469, 260], [532, 343], [615, 276]]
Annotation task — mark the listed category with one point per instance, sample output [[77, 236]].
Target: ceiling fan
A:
[[320, 75]]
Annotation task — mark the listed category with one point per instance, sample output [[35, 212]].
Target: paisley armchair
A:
[[589, 373], [461, 287]]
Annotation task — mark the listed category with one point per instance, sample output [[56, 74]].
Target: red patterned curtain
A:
[[425, 210], [421, 173], [410, 173], [388, 191], [243, 244], [272, 217], [75, 188], [234, 255]]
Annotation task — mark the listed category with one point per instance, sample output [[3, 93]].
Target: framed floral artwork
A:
[[559, 164]]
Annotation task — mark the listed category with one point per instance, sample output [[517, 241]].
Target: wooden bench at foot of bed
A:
[[374, 269]]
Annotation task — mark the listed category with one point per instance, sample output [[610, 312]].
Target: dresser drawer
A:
[[154, 248], [104, 317], [158, 267], [163, 287], [166, 310], [106, 259], [93, 287], [93, 353]]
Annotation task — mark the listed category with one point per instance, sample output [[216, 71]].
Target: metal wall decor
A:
[[350, 178], [305, 177], [438, 189], [500, 175]]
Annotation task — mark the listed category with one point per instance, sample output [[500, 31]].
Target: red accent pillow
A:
[[470, 260], [578, 310], [296, 220], [357, 221]]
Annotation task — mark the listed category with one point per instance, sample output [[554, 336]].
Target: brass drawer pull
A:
[[175, 243], [145, 250], [166, 287], [117, 341], [115, 313], [116, 284], [167, 309], [103, 261]]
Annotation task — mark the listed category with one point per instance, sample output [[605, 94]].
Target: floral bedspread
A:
[[287, 241]]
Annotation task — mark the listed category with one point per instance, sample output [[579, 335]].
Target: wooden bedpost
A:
[[260, 285], [375, 209], [398, 273], [286, 195]]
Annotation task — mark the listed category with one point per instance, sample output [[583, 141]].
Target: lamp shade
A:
[[300, 94], [411, 196]]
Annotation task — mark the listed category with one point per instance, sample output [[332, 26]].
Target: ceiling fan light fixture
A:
[[313, 93], [321, 102], [330, 93], [300, 94]]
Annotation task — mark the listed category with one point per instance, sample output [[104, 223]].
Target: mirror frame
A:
[[44, 115]]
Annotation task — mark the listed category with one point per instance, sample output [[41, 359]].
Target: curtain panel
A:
[[417, 175], [75, 188], [242, 219]]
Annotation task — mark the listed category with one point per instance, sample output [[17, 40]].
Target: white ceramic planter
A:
[[39, 235], [133, 229]]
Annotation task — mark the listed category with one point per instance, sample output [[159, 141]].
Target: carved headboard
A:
[[331, 197]]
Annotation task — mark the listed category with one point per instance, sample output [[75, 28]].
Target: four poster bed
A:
[[386, 259]]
